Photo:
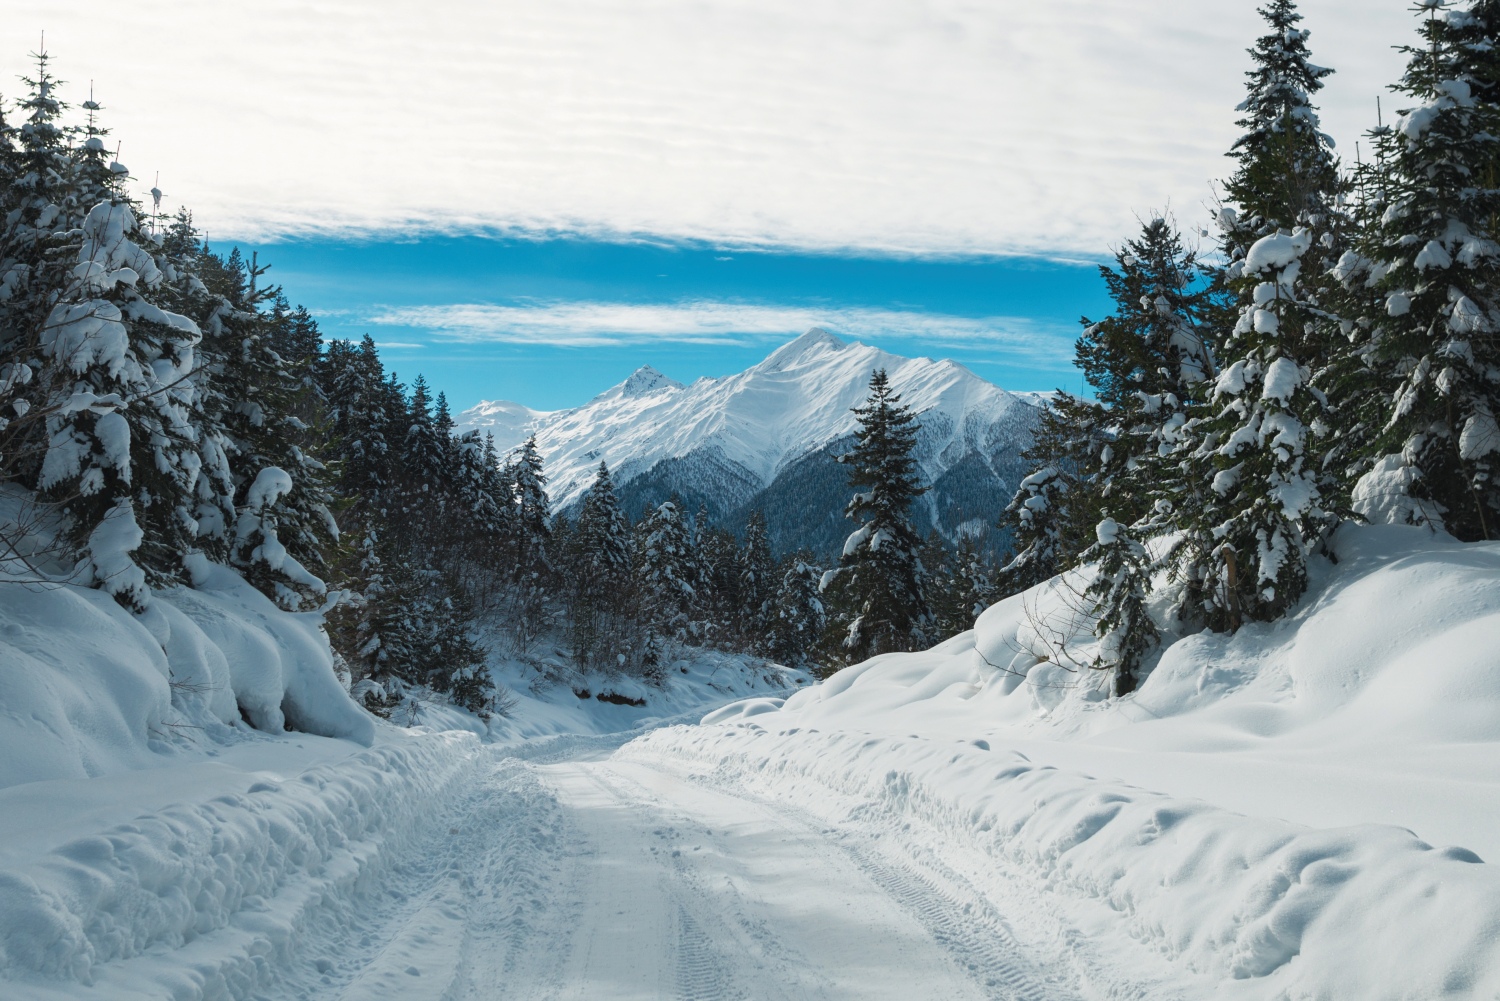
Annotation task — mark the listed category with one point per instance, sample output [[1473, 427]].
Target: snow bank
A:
[[87, 688], [209, 897], [1367, 912], [1263, 809], [280, 663]]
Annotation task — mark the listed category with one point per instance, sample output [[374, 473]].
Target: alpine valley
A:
[[768, 438]]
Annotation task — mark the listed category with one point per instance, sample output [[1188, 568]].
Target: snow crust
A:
[[1268, 810], [794, 402]]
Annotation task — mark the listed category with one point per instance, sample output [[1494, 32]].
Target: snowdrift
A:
[[88, 688], [1269, 809], [213, 895]]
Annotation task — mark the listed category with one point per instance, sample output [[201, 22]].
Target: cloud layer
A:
[[592, 324], [948, 126]]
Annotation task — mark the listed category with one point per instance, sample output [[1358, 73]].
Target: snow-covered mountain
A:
[[766, 438]]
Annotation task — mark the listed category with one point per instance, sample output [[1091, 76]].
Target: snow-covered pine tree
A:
[[424, 468], [1434, 255], [880, 586], [665, 570], [601, 595], [477, 536], [800, 618], [756, 606], [720, 595], [1287, 177], [1244, 542], [283, 523], [1149, 362], [1054, 505], [1265, 508], [533, 511], [531, 569], [387, 632], [448, 659], [116, 394], [704, 626], [353, 382], [602, 524], [1116, 598], [965, 589]]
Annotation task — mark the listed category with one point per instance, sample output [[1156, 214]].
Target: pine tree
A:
[[1116, 598], [113, 412], [800, 617], [720, 594], [424, 463], [1287, 176], [532, 510], [1260, 445], [1154, 351], [665, 568], [250, 396], [756, 603], [601, 592], [531, 569], [965, 588], [1433, 257], [1053, 506], [353, 381], [880, 585]]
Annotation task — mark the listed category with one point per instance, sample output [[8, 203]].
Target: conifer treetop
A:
[[1287, 172]]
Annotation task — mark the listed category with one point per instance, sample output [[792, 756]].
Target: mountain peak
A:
[[646, 380], [815, 340]]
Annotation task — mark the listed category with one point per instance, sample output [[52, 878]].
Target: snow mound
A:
[[1264, 809], [212, 897], [87, 688]]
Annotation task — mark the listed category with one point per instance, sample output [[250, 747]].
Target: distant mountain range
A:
[[767, 437]]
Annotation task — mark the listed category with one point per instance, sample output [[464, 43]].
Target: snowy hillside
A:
[[1296, 810], [726, 442]]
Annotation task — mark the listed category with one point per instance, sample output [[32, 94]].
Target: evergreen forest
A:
[[1322, 350]]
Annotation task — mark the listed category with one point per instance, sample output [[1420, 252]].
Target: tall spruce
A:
[[600, 587], [1260, 444], [1434, 254], [757, 585], [667, 572], [880, 586], [800, 617]]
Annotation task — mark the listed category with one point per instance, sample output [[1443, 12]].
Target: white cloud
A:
[[942, 126], [586, 324]]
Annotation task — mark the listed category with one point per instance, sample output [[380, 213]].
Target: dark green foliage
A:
[[1116, 599], [880, 588], [1430, 253], [800, 617], [1054, 510], [964, 585]]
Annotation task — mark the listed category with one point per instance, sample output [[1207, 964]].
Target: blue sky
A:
[[470, 180], [549, 323]]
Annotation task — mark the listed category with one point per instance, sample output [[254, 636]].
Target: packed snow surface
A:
[[795, 402]]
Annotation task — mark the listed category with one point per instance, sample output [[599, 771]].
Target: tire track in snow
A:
[[962, 921], [701, 969], [936, 874], [767, 963]]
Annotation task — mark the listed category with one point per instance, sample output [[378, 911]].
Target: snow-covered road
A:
[[598, 878]]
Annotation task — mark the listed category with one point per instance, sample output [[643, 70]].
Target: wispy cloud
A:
[[587, 324], [942, 126]]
